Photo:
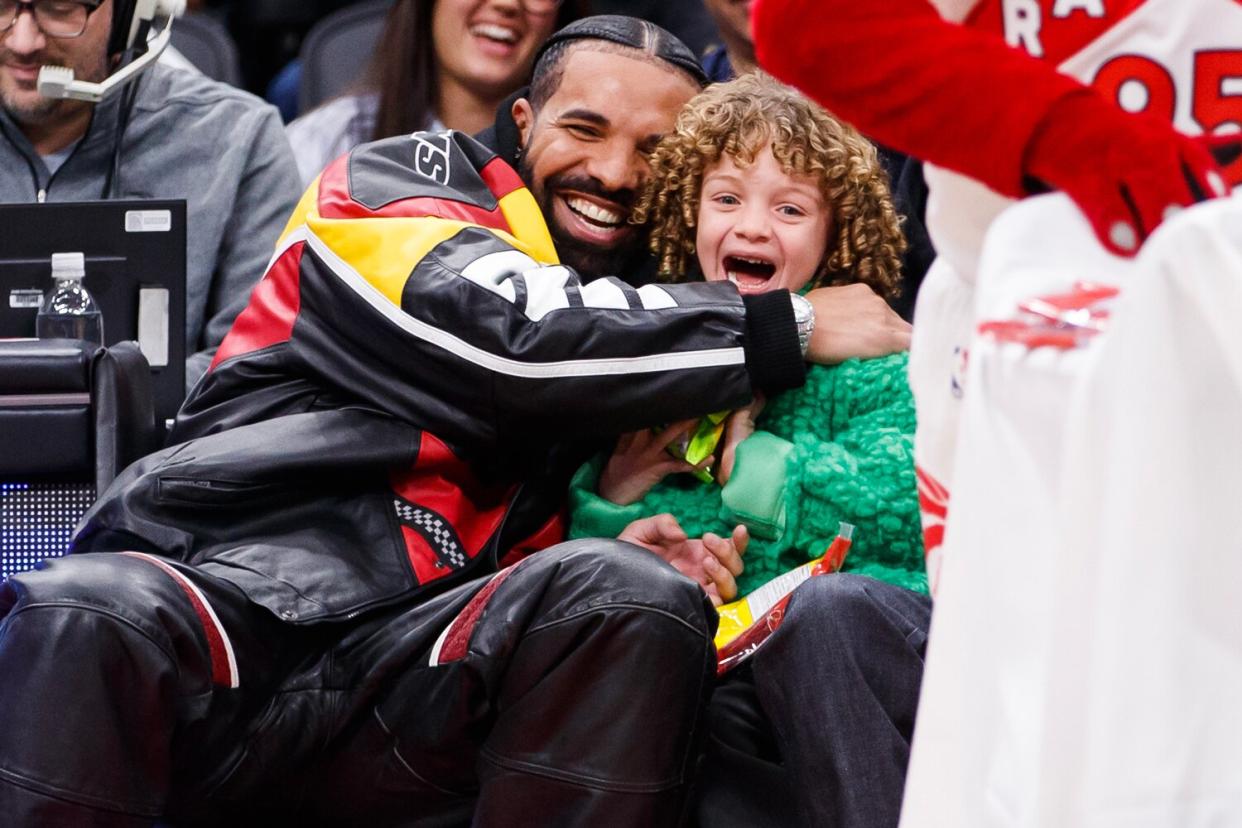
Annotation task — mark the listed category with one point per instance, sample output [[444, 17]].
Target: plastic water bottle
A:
[[69, 311]]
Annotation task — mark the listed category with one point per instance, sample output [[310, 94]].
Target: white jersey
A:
[[1085, 659]]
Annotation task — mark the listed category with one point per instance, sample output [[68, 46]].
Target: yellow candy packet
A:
[[746, 623], [700, 443]]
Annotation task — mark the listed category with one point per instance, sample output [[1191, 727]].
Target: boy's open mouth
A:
[[748, 271]]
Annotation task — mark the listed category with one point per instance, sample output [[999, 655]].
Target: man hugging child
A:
[[759, 186]]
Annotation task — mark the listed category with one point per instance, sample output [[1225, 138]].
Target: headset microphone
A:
[[131, 25]]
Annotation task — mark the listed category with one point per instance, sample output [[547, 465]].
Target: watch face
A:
[[804, 312], [804, 319]]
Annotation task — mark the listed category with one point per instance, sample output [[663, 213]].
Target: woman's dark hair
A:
[[403, 71]]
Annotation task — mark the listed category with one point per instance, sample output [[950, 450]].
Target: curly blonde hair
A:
[[739, 119]]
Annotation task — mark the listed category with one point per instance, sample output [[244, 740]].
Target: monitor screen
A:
[[135, 269]]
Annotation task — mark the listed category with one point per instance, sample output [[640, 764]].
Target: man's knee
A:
[[595, 573], [106, 581], [853, 608], [831, 599], [77, 601]]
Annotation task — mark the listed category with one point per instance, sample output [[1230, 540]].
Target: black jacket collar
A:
[[502, 137]]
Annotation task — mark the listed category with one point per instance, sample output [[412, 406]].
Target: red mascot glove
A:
[[1125, 172]]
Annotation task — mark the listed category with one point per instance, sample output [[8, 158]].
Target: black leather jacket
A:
[[399, 407]]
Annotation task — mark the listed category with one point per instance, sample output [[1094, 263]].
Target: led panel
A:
[[37, 521]]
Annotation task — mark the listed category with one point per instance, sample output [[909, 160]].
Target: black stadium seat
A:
[[205, 42], [71, 417], [337, 49]]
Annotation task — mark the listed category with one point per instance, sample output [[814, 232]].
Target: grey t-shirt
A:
[[53, 160]]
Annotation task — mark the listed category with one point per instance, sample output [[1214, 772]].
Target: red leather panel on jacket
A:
[[447, 516], [273, 308], [500, 178], [550, 534]]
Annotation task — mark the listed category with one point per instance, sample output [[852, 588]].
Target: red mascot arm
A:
[[938, 91], [965, 100]]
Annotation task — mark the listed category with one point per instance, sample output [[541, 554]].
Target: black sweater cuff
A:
[[773, 357]]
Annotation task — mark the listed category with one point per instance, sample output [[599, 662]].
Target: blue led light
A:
[[37, 521]]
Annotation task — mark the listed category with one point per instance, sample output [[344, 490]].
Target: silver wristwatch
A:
[[804, 320]]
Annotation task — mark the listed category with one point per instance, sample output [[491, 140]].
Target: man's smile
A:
[[23, 73], [590, 218]]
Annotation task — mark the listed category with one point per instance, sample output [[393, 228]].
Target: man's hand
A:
[[1127, 173], [853, 321], [739, 426], [711, 561], [640, 461]]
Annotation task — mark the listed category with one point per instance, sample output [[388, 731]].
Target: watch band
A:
[[804, 320]]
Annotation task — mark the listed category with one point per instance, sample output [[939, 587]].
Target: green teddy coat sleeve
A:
[[838, 449]]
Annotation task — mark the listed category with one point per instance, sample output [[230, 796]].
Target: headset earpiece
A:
[[122, 17], [131, 22]]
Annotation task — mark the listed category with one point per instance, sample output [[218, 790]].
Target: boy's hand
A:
[[712, 561], [739, 426], [640, 461], [854, 321]]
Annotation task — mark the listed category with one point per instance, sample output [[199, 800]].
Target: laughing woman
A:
[[440, 64]]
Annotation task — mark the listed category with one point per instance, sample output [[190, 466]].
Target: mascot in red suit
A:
[[1140, 118]]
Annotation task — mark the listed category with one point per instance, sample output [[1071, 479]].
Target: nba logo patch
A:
[[957, 380]]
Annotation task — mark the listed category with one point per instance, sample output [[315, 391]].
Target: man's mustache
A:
[[25, 61], [589, 186]]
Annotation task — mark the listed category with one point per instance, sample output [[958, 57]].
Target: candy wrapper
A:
[[700, 442], [746, 624]]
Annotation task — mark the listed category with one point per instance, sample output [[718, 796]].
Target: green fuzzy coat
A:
[[841, 448]]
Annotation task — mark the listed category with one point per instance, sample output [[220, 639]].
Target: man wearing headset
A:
[[169, 134]]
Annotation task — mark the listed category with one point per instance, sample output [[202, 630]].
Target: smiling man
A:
[[64, 34], [341, 597], [584, 133], [186, 137]]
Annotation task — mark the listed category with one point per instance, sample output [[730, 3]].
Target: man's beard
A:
[[36, 111], [33, 113], [589, 260]]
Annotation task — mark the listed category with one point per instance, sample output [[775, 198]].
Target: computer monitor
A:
[[135, 269]]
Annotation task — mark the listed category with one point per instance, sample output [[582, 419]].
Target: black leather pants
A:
[[567, 691]]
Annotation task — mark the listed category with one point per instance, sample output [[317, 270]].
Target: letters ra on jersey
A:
[[1180, 60]]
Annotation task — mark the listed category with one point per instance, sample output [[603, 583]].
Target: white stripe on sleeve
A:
[[652, 363], [656, 298], [545, 290], [604, 293], [495, 271]]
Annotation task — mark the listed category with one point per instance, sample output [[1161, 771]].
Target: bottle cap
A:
[[68, 265]]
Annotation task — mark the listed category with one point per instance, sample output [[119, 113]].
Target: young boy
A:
[[766, 190], [759, 187]]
